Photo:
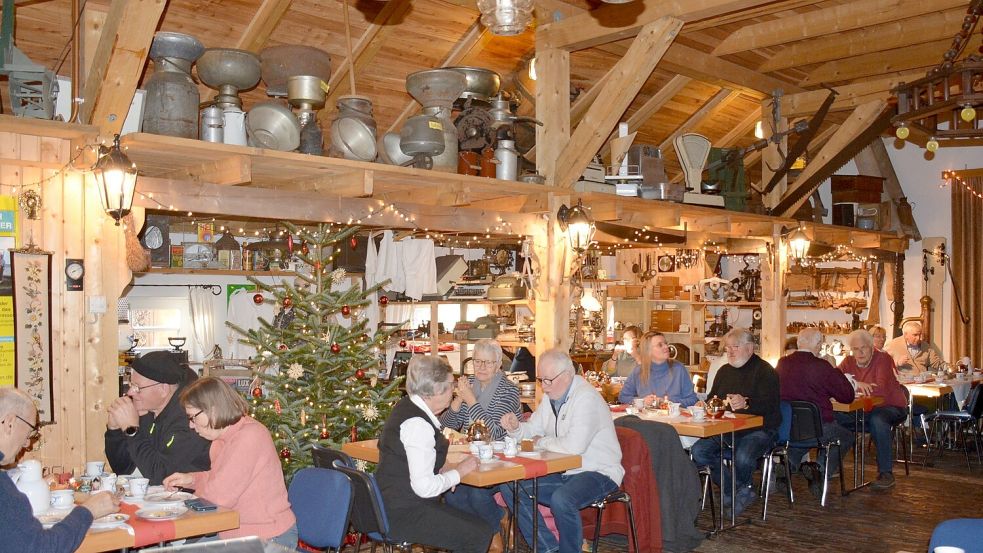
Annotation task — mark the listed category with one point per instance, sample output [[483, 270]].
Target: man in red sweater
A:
[[805, 376], [873, 374]]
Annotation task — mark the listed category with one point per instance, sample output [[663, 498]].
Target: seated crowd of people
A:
[[184, 432]]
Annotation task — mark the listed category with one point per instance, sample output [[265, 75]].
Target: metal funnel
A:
[[229, 71], [176, 46], [436, 88], [279, 63]]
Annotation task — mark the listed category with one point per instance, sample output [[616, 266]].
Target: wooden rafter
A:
[[836, 19], [877, 38], [641, 116], [367, 47], [552, 99], [685, 60], [857, 124], [723, 97], [879, 63], [631, 72], [739, 131], [118, 62], [874, 160], [850, 96], [610, 23], [473, 40], [264, 21]]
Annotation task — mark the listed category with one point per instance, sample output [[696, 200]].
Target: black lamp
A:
[[117, 179], [577, 224]]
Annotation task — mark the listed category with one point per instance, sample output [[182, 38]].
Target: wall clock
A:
[[74, 273]]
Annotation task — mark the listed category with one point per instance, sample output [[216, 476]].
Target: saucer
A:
[[167, 498], [531, 454], [110, 521], [162, 513], [52, 516]]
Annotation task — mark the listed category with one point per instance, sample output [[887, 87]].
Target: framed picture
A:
[[31, 271], [401, 361], [200, 255]]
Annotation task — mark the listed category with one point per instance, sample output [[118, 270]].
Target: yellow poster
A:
[[8, 241]]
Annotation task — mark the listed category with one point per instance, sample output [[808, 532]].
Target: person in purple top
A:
[[658, 376], [804, 376]]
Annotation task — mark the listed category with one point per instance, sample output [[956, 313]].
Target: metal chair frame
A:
[[617, 496], [969, 416], [807, 427], [781, 451]]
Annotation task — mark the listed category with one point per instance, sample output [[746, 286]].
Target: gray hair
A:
[[866, 337], [911, 325], [740, 335], [490, 347], [428, 375], [558, 358], [809, 338], [15, 401]]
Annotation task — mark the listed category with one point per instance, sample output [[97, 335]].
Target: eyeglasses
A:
[[136, 388], [34, 428], [191, 418], [550, 381], [483, 363]]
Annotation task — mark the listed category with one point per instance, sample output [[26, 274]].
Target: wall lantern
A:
[[798, 244], [577, 224], [116, 176]]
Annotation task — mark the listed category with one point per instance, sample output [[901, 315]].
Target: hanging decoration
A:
[[30, 268]]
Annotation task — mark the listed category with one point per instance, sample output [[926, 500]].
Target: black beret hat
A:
[[160, 366]]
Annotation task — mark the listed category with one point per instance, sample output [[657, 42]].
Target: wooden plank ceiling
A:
[[712, 80]]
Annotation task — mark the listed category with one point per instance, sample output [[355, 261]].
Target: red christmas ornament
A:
[[359, 374], [335, 348], [383, 300], [258, 299], [353, 242], [287, 302], [346, 310], [257, 392], [276, 406], [324, 434], [285, 454], [282, 347], [290, 243], [317, 266], [304, 249], [402, 343]]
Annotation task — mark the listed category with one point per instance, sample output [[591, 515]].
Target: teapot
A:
[[29, 482], [716, 407], [479, 432]]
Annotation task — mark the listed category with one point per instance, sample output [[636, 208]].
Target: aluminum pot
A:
[[422, 135], [353, 129], [279, 63], [481, 83], [436, 88]]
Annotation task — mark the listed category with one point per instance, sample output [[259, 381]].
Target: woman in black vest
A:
[[413, 470]]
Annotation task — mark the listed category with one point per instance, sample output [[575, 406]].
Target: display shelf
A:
[[213, 272], [727, 303]]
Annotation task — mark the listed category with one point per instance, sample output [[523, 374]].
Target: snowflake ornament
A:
[[337, 275], [370, 413], [295, 371], [361, 465]]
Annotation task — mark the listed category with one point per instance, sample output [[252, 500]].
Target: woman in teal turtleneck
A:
[[658, 376]]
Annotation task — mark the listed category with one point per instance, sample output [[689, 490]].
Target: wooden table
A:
[[709, 428], [489, 474], [858, 406], [188, 525]]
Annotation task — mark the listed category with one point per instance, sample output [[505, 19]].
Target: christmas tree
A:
[[317, 363]]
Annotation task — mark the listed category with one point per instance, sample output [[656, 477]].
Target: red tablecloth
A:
[[148, 532], [534, 467]]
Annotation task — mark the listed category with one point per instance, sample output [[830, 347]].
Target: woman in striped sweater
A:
[[486, 396]]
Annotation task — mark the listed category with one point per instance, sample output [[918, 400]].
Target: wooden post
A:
[[771, 156], [552, 108], [551, 250], [773, 313]]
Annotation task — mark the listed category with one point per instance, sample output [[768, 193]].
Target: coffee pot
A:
[[478, 431], [29, 481]]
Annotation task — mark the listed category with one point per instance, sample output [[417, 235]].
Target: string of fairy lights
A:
[[951, 178]]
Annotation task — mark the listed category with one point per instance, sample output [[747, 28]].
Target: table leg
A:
[[515, 517], [733, 480], [722, 492], [535, 515]]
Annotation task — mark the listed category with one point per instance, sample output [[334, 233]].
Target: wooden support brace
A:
[[264, 21], [227, 171], [354, 184]]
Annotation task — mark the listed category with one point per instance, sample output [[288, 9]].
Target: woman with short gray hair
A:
[[413, 469]]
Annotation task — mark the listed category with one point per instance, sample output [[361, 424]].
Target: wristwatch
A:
[[131, 431]]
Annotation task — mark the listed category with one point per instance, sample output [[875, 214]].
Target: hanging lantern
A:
[[578, 225], [798, 244], [116, 176]]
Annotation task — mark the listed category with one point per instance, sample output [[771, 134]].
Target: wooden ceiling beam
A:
[[630, 74], [685, 60], [833, 20], [850, 96], [859, 121], [877, 38], [715, 101], [119, 61], [473, 40], [262, 25], [232, 170], [641, 116], [879, 63], [610, 23]]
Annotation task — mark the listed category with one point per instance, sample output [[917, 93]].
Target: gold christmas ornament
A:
[[30, 202]]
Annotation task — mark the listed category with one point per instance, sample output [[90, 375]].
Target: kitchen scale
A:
[[693, 150]]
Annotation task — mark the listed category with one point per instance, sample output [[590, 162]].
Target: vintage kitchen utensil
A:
[[229, 71], [279, 63], [481, 84], [353, 129], [272, 125], [171, 103], [390, 152]]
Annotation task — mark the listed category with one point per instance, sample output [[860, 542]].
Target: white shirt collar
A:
[[418, 401]]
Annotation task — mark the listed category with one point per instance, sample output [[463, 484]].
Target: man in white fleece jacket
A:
[[573, 419]]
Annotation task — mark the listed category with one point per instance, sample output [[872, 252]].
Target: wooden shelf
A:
[[213, 272], [728, 304]]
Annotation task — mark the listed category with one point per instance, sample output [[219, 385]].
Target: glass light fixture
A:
[[902, 131], [578, 225], [589, 302], [116, 176], [505, 17], [759, 131], [798, 244], [932, 145], [968, 113]]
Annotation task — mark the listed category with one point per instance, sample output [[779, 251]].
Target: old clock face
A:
[[74, 271]]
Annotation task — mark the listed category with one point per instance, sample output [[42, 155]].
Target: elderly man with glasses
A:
[[21, 531], [147, 429], [572, 418], [750, 385]]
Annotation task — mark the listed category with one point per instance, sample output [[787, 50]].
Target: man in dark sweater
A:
[[805, 376], [21, 531], [148, 429], [750, 385]]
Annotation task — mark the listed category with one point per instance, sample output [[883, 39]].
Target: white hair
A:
[[809, 338], [740, 335], [428, 376], [558, 358], [490, 347], [911, 326], [865, 337]]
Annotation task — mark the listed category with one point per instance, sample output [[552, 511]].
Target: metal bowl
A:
[[390, 151], [353, 138], [436, 87], [175, 45], [273, 126], [481, 83], [279, 63], [229, 67]]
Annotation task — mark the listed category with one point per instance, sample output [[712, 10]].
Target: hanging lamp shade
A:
[[116, 176]]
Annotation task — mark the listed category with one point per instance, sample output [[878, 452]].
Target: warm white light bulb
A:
[[968, 113], [759, 130], [932, 145], [902, 132]]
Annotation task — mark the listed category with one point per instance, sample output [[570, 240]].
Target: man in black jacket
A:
[[148, 429], [750, 385]]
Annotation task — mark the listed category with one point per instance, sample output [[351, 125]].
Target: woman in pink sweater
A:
[[245, 474]]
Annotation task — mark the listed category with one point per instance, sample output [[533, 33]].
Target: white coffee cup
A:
[[62, 499], [485, 452], [498, 446], [138, 486], [511, 449], [698, 413], [107, 482], [948, 549], [638, 403], [674, 409], [94, 468]]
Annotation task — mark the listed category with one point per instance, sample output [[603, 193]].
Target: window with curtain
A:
[[967, 266], [155, 319]]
